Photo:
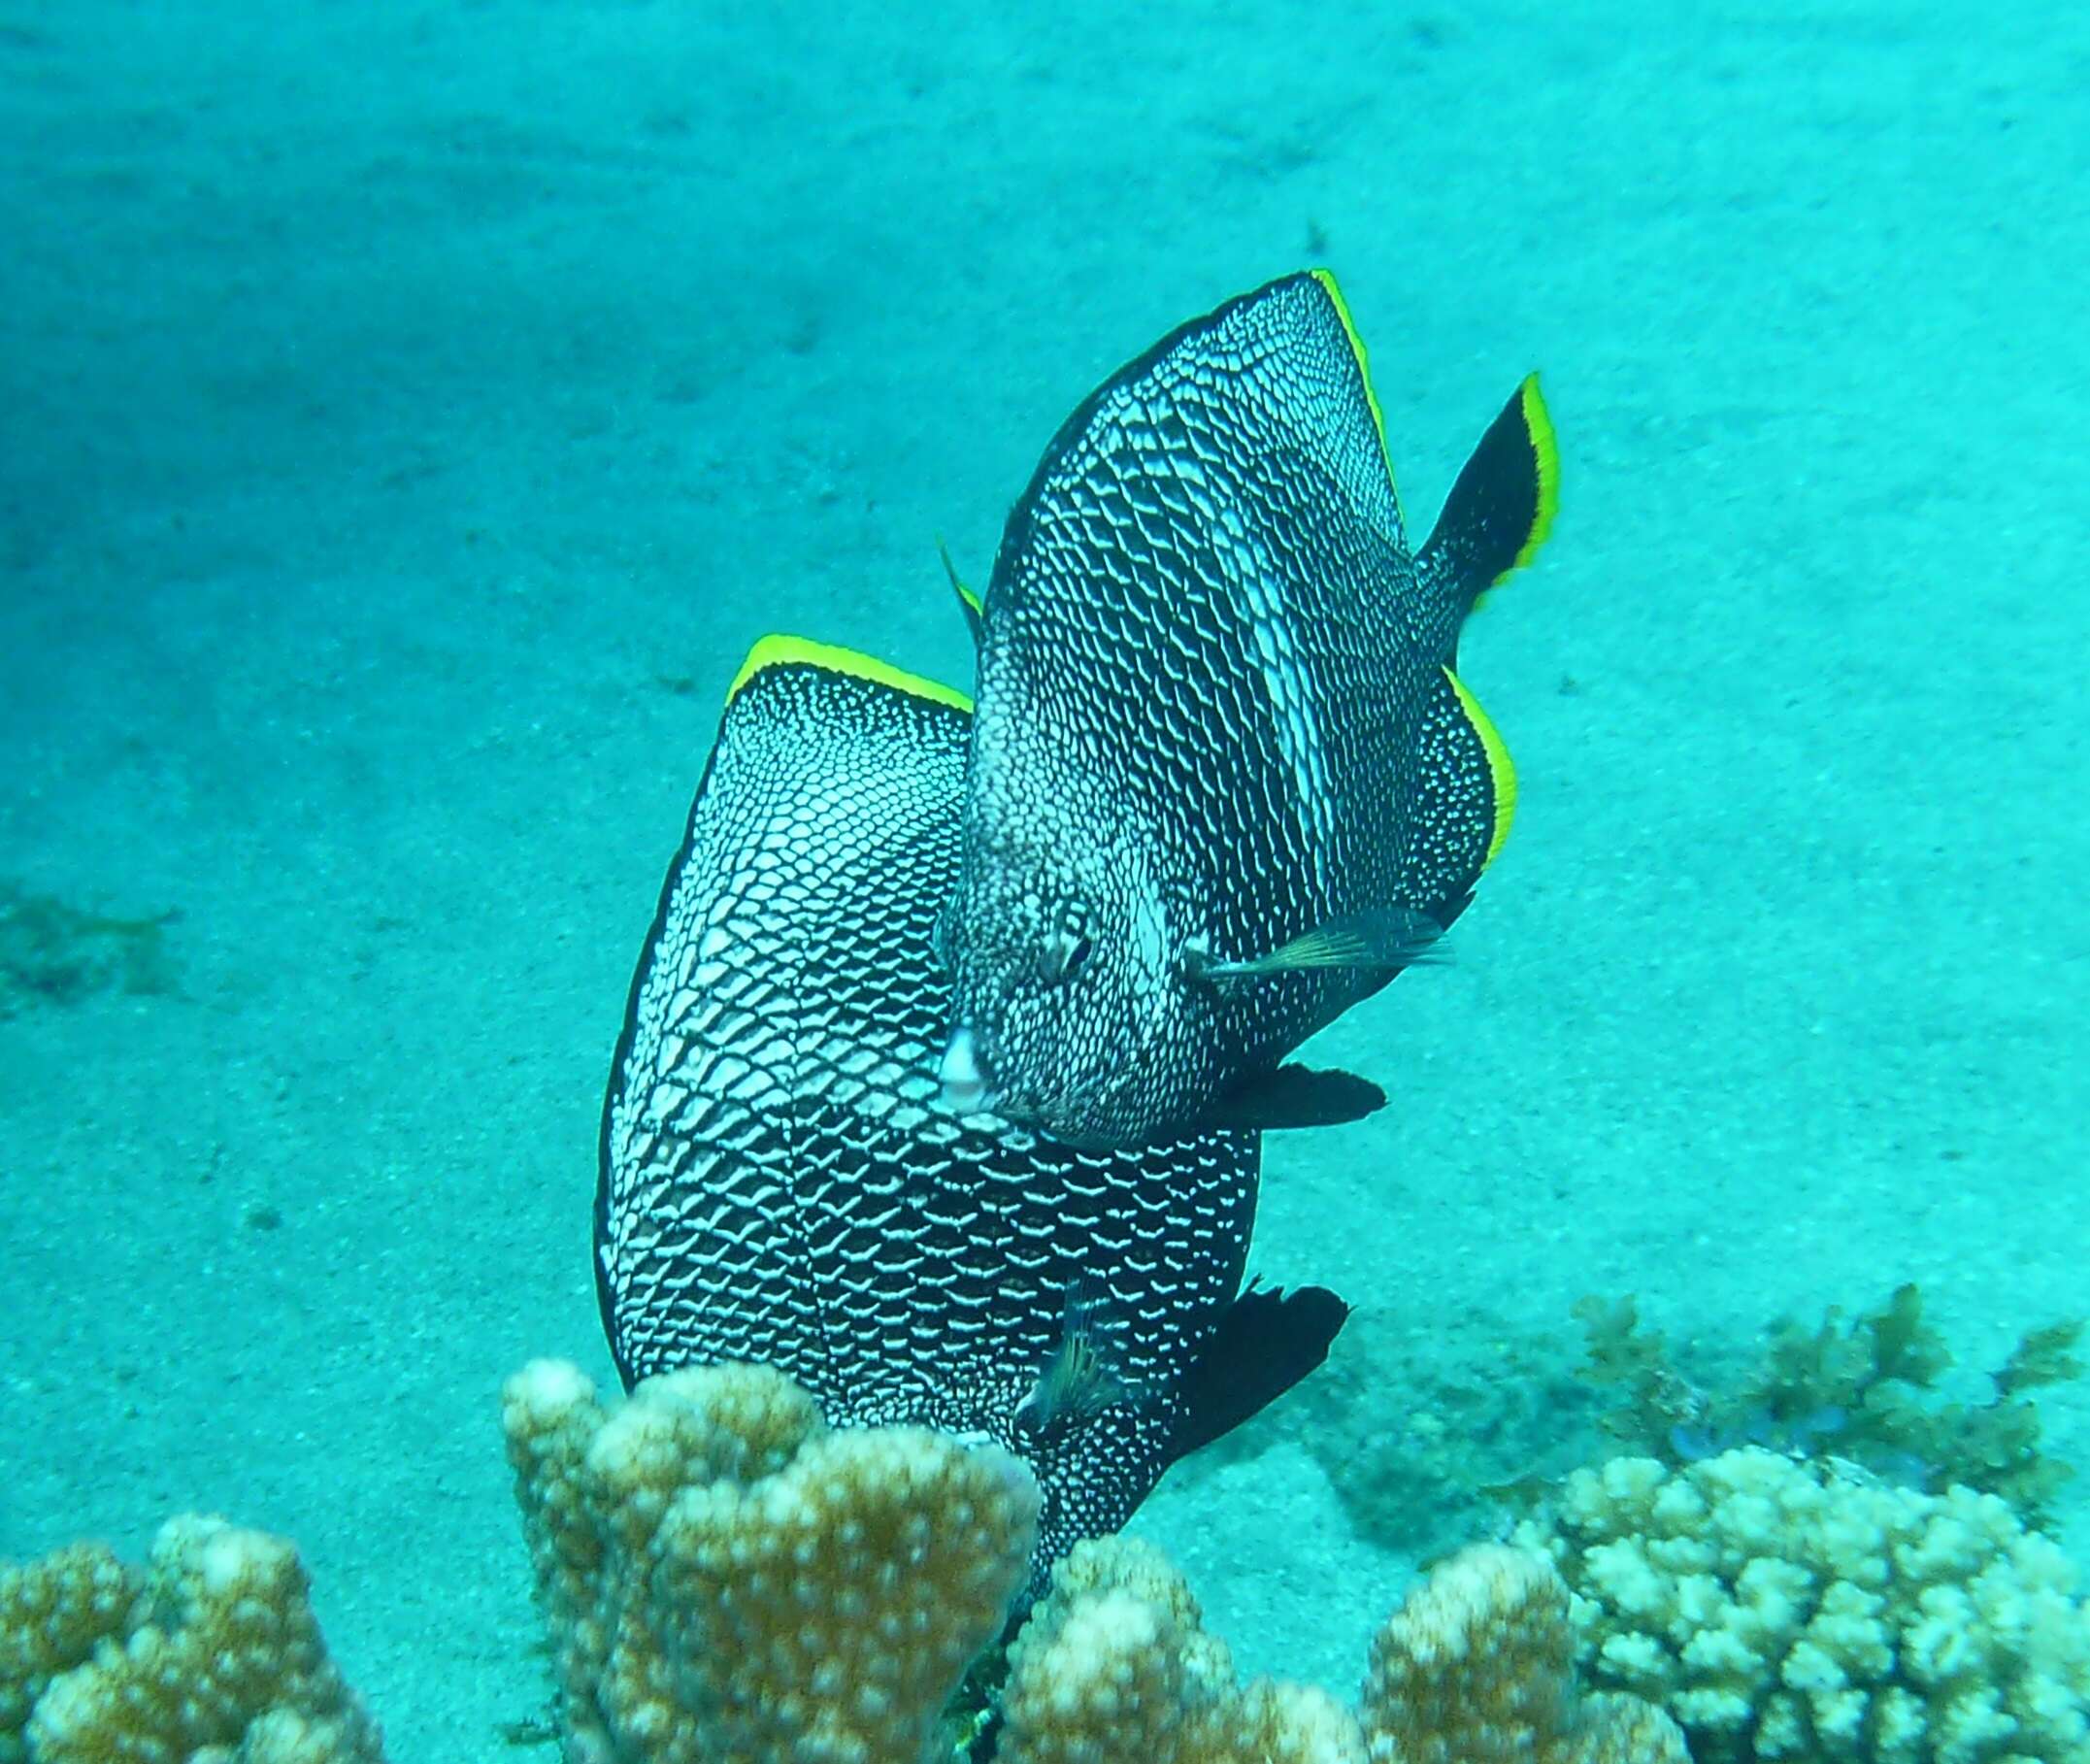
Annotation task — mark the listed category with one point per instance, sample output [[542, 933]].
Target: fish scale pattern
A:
[[1207, 643], [777, 1182]]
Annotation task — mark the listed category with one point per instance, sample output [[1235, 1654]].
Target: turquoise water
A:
[[410, 414]]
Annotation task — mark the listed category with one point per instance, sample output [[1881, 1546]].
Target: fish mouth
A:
[[966, 1090]]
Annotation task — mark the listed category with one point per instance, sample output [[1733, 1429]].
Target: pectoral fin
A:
[[1392, 937], [1081, 1377], [1296, 1096]]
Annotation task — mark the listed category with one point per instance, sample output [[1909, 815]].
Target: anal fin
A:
[[1465, 797]]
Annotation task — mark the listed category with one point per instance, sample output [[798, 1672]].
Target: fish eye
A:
[[1068, 950]]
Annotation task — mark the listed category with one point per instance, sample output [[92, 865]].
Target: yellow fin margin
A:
[[1545, 450], [777, 650], [967, 595], [1501, 770], [1327, 280]]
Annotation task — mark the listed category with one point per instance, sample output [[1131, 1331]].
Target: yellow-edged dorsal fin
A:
[[778, 649], [1327, 280]]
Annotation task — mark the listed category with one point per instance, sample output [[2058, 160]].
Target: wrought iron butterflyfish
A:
[[779, 1184], [1225, 781]]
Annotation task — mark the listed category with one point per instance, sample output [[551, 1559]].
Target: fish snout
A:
[[966, 1090]]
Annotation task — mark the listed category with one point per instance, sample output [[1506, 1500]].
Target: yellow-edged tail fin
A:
[[1502, 506]]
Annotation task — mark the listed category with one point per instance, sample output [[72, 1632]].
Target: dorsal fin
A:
[[1501, 507], [1327, 282], [779, 650]]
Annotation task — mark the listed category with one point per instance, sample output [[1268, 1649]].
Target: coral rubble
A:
[[51, 952], [1480, 1405]]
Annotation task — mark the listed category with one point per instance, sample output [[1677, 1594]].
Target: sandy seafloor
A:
[[393, 398]]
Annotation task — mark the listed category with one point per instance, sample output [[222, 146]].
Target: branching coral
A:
[[1500, 1417], [54, 1610], [725, 1579], [1478, 1667], [1863, 1389], [1474, 1669], [215, 1658], [1783, 1609], [1116, 1664]]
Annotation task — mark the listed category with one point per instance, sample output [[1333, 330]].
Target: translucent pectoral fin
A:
[[1389, 937]]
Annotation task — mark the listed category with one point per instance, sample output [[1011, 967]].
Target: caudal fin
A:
[[1502, 506]]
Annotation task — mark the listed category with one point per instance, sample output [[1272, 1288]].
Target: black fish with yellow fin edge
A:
[[779, 1184], [1224, 780]]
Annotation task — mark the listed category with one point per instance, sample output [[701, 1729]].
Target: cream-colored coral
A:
[[1476, 1667], [726, 1579], [52, 1612], [224, 1665], [1792, 1610], [1116, 1664]]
